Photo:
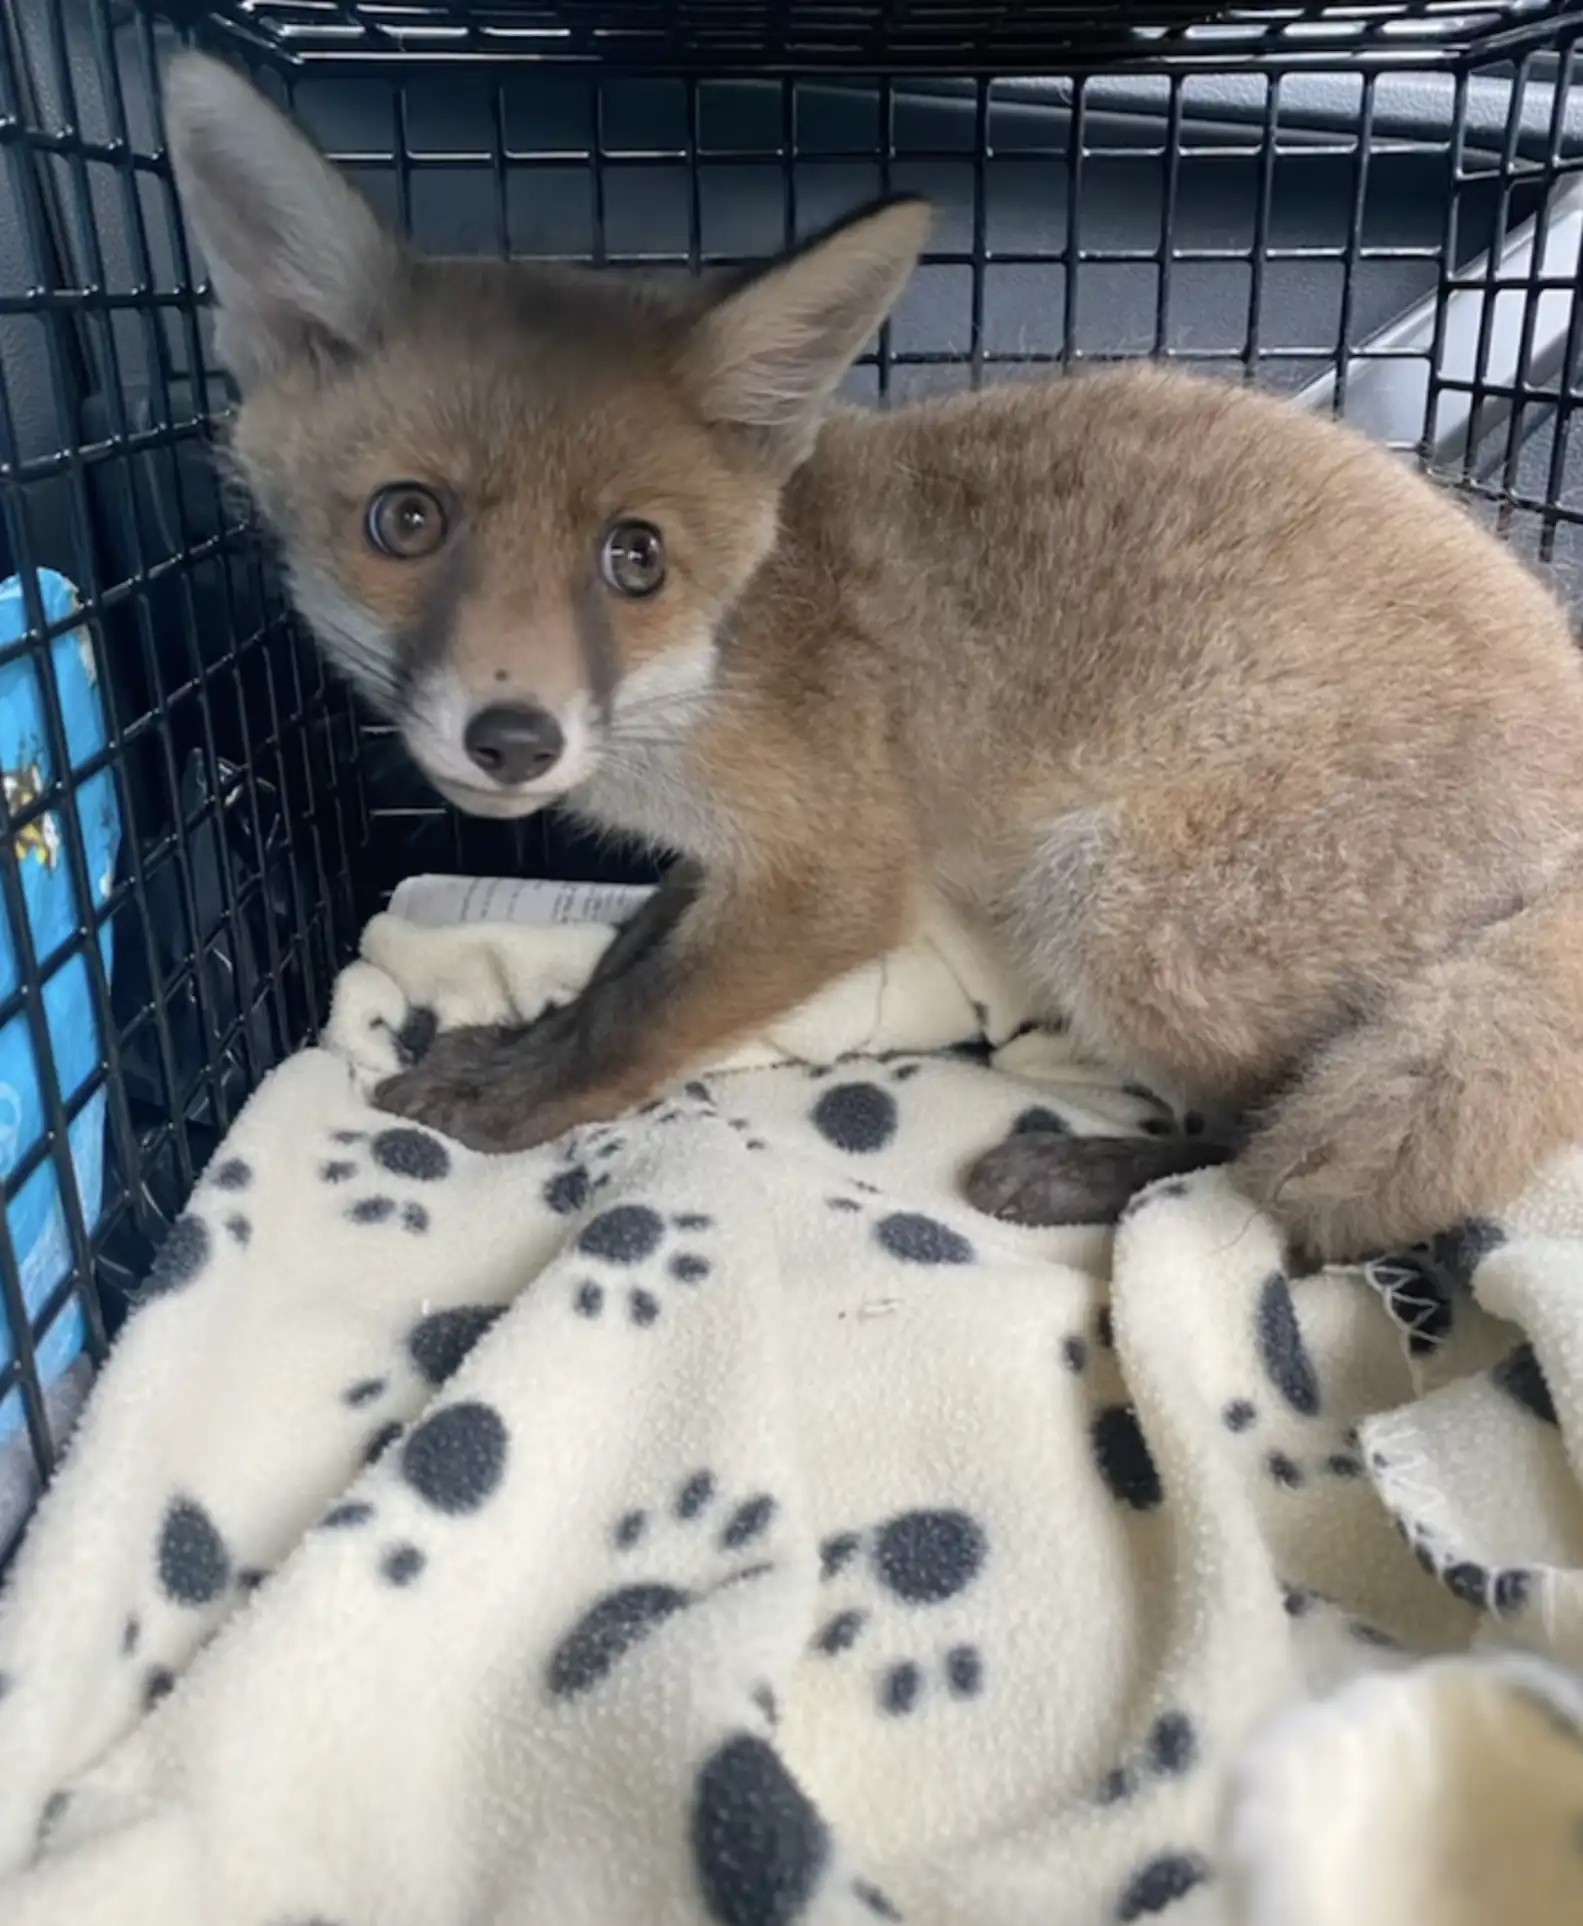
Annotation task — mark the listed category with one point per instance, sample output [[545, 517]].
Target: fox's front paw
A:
[[484, 1086]]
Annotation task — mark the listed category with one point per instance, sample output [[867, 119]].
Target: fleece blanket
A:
[[710, 1518]]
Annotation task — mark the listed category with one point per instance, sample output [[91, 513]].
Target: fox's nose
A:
[[513, 744]]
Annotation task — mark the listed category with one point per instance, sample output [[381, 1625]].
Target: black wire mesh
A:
[[960, 36], [208, 951], [1376, 209]]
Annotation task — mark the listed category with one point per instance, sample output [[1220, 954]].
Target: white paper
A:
[[438, 902]]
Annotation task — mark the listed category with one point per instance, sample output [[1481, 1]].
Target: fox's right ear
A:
[[300, 265]]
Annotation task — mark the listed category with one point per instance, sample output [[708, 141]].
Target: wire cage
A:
[[1374, 207]]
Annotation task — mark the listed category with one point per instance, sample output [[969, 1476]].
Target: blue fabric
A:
[[36, 1217]]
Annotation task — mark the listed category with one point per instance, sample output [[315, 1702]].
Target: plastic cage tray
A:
[[1376, 208]]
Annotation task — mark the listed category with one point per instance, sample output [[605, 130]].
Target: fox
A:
[[1255, 759]]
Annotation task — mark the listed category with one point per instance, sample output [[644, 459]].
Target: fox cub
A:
[[1255, 758]]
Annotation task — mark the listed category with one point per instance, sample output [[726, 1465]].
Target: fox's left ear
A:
[[768, 355]]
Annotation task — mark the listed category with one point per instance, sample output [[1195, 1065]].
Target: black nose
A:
[[512, 744]]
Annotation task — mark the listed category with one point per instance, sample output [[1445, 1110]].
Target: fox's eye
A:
[[405, 520], [632, 560]]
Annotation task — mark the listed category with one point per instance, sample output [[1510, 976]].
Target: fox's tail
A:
[[1441, 1105]]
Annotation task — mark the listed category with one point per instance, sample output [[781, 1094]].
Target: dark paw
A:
[[1042, 1180], [473, 1085]]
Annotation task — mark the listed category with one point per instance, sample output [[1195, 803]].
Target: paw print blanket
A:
[[711, 1519]]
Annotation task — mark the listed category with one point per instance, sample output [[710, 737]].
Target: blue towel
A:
[[36, 1216]]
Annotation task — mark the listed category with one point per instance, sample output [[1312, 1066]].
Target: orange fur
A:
[[1255, 755]]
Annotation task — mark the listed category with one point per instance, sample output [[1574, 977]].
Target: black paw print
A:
[[917, 1560], [716, 1547], [1172, 1749], [399, 1150], [694, 1099], [633, 1238], [761, 1847], [234, 1175], [454, 1461], [907, 1236], [569, 1190]]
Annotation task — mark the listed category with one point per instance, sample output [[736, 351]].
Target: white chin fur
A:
[[478, 799], [500, 804]]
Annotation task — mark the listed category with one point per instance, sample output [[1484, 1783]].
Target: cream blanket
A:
[[711, 1518]]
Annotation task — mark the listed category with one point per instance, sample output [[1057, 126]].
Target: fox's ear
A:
[[767, 356], [300, 266]]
